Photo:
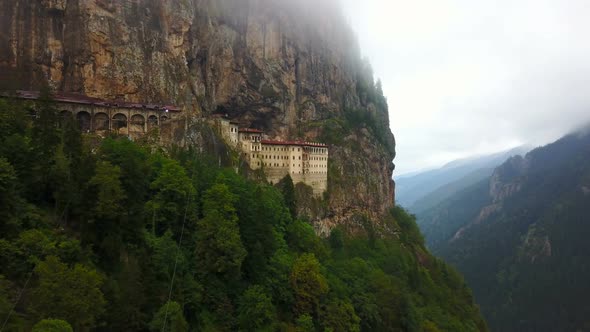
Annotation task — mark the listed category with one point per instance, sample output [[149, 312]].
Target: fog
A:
[[473, 77]]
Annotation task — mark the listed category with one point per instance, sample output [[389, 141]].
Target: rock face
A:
[[290, 68]]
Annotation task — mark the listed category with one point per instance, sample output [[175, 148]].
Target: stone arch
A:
[[119, 122], [83, 118], [101, 121], [152, 122], [163, 118], [137, 123]]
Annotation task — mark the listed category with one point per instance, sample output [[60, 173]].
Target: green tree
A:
[[12, 320], [10, 200], [288, 190], [169, 318], [45, 134], [277, 278], [219, 247], [109, 192], [340, 316], [308, 284], [52, 325], [302, 238], [65, 190], [336, 238], [174, 191], [44, 139], [71, 294], [67, 173], [255, 311], [105, 229], [135, 180], [304, 323]]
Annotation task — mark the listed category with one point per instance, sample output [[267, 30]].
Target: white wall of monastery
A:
[[305, 161]]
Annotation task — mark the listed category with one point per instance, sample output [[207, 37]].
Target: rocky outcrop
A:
[[288, 68], [506, 179], [535, 246], [505, 182]]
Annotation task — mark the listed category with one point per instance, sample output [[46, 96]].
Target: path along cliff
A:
[[292, 69]]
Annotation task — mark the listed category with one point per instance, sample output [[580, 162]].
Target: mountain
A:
[[520, 238], [110, 234], [290, 68], [421, 191], [152, 234]]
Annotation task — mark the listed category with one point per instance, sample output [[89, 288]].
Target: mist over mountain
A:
[[117, 215], [520, 238], [425, 189]]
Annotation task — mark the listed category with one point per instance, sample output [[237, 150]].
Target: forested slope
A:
[[114, 235], [521, 238]]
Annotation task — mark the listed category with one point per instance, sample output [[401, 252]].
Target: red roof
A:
[[250, 130], [66, 97], [297, 143]]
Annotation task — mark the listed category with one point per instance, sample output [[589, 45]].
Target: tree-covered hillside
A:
[[113, 235], [521, 239]]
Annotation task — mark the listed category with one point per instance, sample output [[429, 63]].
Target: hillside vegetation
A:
[[521, 238], [113, 235]]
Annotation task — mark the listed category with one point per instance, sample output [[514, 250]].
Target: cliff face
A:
[[292, 70]]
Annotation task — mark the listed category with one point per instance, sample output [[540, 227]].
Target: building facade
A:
[[103, 117], [305, 162]]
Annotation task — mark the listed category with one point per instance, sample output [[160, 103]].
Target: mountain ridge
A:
[[519, 235], [413, 191]]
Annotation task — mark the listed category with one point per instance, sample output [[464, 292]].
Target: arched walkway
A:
[[83, 121], [119, 123], [137, 124], [152, 122], [101, 121]]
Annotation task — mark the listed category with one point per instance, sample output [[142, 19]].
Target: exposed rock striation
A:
[[289, 68]]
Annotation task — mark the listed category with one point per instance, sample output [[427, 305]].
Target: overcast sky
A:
[[466, 77]]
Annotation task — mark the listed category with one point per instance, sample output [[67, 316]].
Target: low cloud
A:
[[472, 77]]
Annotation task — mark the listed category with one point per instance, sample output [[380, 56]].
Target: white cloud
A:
[[468, 77]]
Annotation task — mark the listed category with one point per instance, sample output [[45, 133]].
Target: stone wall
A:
[[290, 68]]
